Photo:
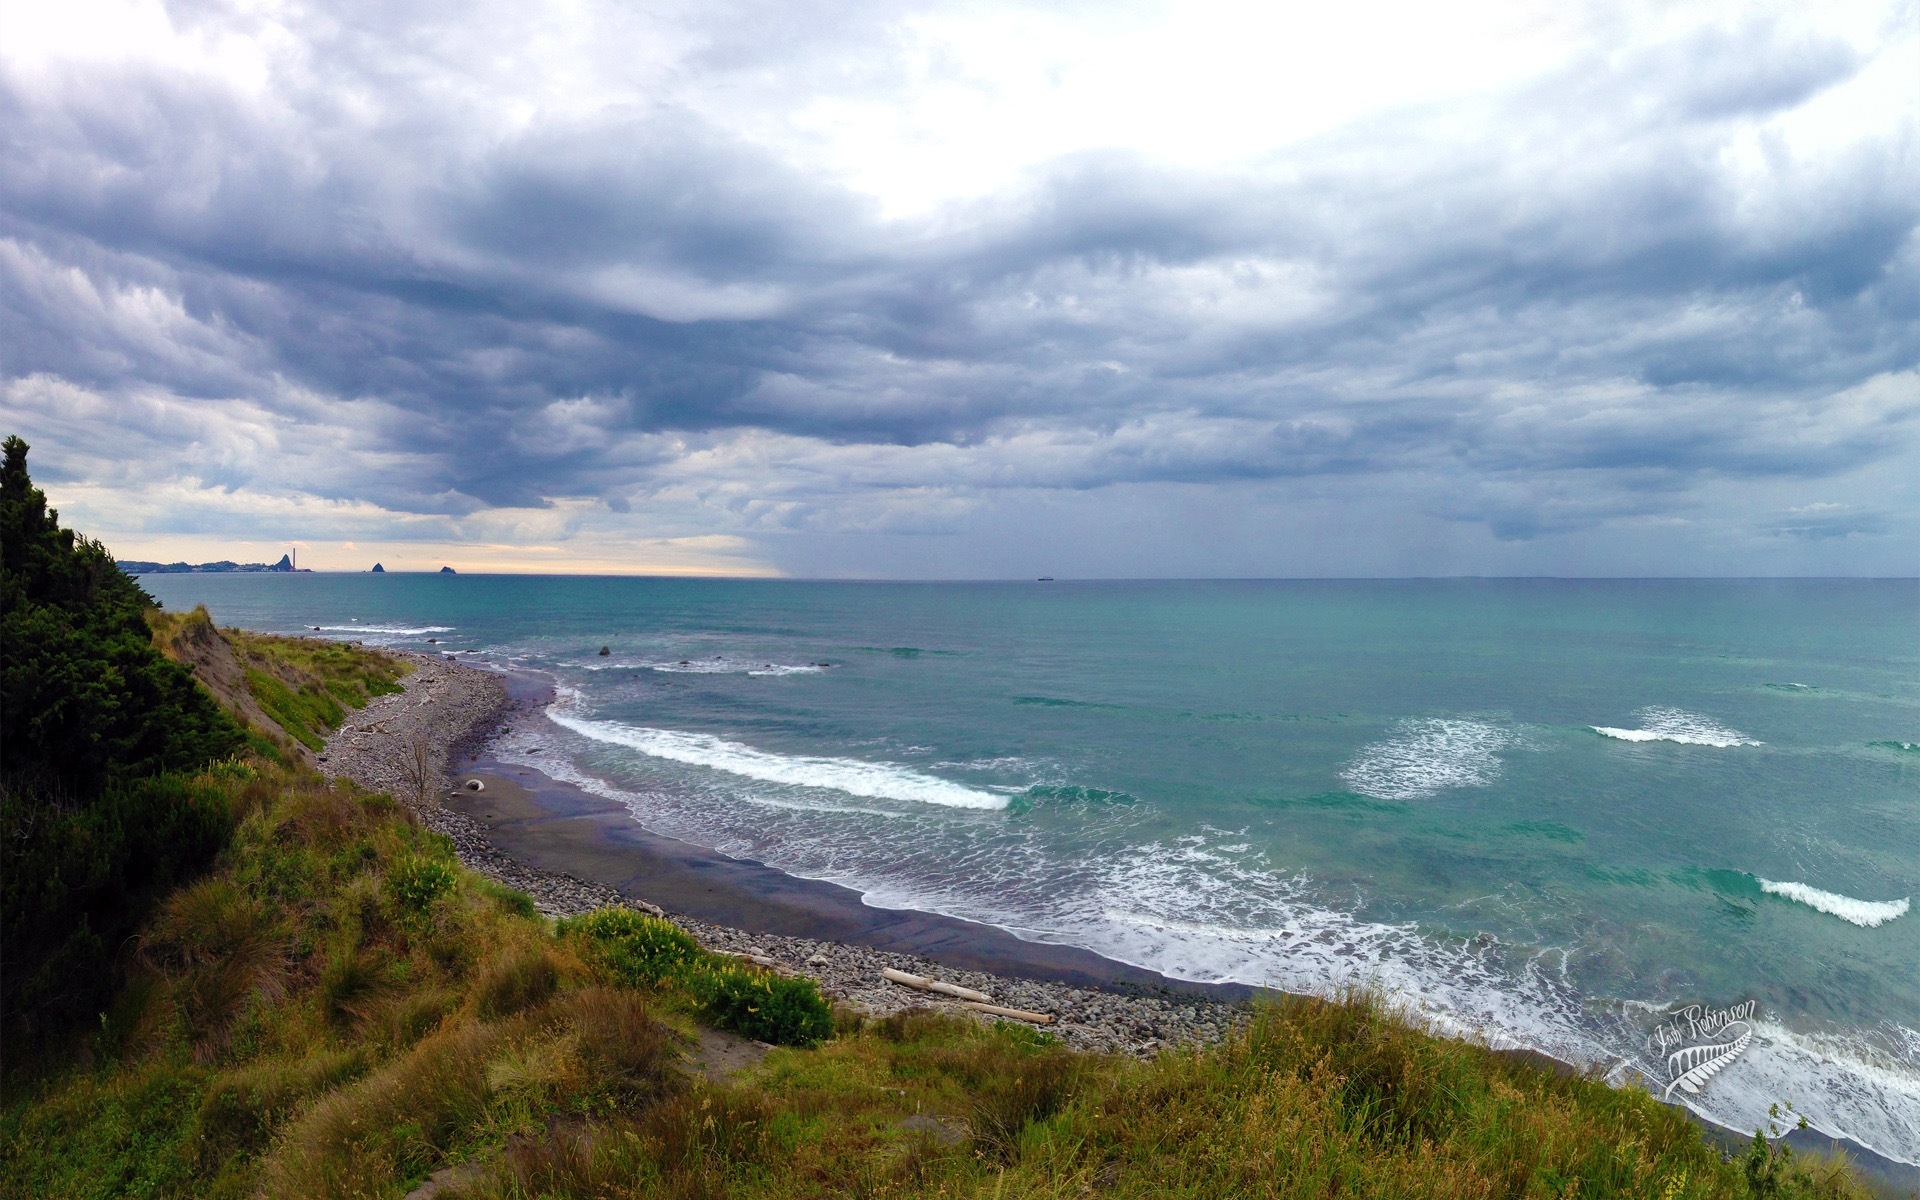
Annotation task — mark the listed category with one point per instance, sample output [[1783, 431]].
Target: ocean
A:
[[1548, 813]]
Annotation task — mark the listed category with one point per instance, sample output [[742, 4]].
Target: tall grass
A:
[[1312, 1098]]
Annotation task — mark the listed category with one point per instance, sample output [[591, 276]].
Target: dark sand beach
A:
[[556, 827]]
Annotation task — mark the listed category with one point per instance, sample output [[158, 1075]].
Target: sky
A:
[[970, 290]]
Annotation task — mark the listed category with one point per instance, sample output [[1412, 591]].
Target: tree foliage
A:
[[99, 734]]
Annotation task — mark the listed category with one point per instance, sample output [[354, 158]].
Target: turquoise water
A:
[[1545, 811]]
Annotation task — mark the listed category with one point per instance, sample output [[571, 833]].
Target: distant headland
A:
[[226, 567], [223, 567]]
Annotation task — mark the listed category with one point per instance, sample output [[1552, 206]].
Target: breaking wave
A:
[[1678, 725], [876, 781], [393, 630], [1868, 914], [706, 666]]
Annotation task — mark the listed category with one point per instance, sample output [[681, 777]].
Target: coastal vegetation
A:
[[313, 998], [101, 739]]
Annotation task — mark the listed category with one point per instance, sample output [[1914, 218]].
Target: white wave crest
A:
[[397, 630], [706, 666], [878, 781], [1428, 756], [1868, 914], [1678, 725]]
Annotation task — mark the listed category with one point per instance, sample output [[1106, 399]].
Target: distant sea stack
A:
[[448, 571], [377, 570]]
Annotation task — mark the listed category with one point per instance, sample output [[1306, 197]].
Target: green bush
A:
[[781, 1009], [90, 715], [639, 951], [415, 883], [77, 880], [635, 949], [85, 699]]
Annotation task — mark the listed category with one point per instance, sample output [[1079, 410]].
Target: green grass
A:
[[642, 951], [352, 675], [308, 685], [339, 1009]]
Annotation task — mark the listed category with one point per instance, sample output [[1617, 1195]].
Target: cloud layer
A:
[[973, 289]]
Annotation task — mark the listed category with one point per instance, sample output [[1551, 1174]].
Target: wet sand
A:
[[553, 826]]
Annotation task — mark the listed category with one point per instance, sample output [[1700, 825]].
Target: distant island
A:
[[223, 567]]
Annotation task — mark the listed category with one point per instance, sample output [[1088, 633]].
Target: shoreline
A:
[[573, 850]]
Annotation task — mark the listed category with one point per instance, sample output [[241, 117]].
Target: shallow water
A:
[[1547, 811]]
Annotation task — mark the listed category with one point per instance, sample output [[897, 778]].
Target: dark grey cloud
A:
[[1538, 312]]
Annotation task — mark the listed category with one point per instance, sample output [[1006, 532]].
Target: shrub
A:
[[219, 949], [772, 1008], [90, 712], [415, 883], [626, 1050], [353, 980], [518, 979], [634, 948], [77, 879]]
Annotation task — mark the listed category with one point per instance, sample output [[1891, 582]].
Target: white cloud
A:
[[557, 277]]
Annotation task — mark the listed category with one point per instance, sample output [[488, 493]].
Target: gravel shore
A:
[[403, 744]]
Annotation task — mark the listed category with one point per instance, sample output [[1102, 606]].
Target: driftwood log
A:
[[761, 960], [934, 985], [1019, 1014]]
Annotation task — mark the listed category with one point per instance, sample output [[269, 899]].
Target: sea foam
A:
[[1428, 756], [705, 666], [397, 630], [1678, 725], [878, 781], [1868, 914]]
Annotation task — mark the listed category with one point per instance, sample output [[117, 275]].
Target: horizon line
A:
[[747, 578]]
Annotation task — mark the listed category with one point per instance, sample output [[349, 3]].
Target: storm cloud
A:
[[971, 290]]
